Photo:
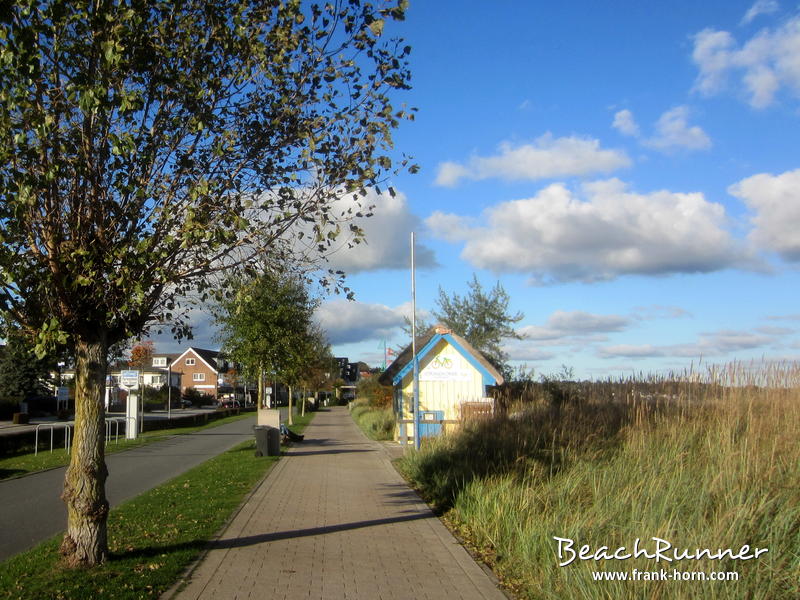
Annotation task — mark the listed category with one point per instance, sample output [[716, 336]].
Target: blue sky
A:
[[629, 172]]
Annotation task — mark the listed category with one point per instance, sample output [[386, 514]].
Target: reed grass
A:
[[377, 423], [705, 459]]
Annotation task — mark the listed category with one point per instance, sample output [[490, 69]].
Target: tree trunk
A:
[[303, 409], [261, 389], [85, 542], [290, 420]]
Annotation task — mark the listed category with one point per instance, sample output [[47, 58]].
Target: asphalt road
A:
[[32, 510]]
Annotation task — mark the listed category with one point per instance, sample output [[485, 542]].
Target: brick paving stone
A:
[[333, 519]]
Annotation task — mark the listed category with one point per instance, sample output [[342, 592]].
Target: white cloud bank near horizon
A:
[[708, 344], [546, 157], [600, 232]]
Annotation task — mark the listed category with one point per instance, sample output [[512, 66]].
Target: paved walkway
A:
[[32, 506], [334, 520]]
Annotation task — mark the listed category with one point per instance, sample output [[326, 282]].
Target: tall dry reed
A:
[[704, 459]]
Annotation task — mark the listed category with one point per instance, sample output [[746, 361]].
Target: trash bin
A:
[[268, 440]]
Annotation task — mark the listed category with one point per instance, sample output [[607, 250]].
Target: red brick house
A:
[[201, 369]]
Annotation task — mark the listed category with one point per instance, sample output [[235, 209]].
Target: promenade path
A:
[[334, 520], [32, 507]]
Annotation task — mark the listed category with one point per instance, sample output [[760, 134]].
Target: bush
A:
[[198, 398], [376, 394]]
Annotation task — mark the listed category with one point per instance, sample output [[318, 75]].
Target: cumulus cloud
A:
[[449, 226], [791, 317], [625, 123], [761, 7], [765, 64], [657, 311], [521, 350], [716, 343], [601, 233], [546, 157], [348, 322], [387, 234], [673, 132], [775, 200], [562, 324]]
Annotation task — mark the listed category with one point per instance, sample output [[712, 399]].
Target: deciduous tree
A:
[[141, 355], [146, 145], [482, 318], [265, 325]]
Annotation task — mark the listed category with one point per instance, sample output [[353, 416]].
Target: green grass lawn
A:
[[152, 538], [25, 463]]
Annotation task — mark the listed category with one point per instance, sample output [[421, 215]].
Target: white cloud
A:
[[449, 226], [348, 322], [625, 123], [547, 157], [775, 199], [761, 7], [602, 233], [716, 343], [562, 324], [765, 64], [387, 235], [657, 311], [450, 174], [792, 317], [674, 132], [521, 350]]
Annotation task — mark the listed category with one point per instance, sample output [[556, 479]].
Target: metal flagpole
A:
[[414, 346]]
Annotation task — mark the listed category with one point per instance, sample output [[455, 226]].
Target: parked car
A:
[[230, 404]]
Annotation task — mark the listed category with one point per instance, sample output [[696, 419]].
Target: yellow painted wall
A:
[[446, 380]]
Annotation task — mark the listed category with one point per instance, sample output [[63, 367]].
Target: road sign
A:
[[129, 379]]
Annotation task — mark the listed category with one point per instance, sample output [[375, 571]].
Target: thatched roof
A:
[[405, 357]]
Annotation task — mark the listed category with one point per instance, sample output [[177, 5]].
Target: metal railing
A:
[[111, 423]]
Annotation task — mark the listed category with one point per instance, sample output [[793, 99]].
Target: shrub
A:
[[198, 398], [376, 394]]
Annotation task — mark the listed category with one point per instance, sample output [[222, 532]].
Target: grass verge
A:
[[711, 466], [376, 423], [22, 464], [152, 538]]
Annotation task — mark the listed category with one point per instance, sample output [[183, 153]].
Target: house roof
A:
[[207, 356], [425, 343]]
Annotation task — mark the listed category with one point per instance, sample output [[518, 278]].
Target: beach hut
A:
[[453, 381]]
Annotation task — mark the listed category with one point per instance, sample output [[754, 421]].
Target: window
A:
[[198, 376], [160, 361], [190, 362]]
